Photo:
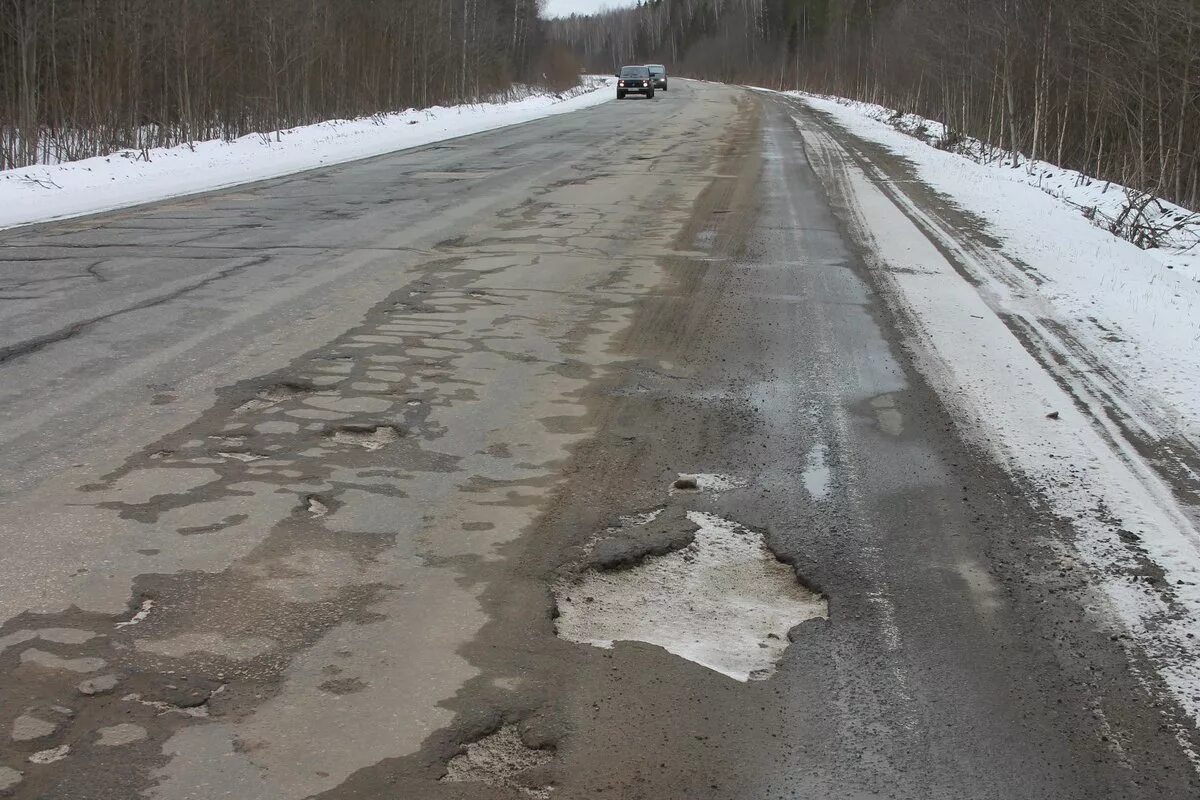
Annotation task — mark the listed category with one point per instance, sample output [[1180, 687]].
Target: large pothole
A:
[[724, 601], [368, 437], [273, 396], [501, 759]]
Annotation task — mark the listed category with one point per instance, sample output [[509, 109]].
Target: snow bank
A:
[[1137, 310], [1046, 407], [43, 193], [1102, 202]]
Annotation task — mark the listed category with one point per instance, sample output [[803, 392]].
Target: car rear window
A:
[[634, 72]]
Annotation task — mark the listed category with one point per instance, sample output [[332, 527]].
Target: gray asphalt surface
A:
[[290, 473]]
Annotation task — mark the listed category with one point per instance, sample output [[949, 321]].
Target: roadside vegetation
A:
[[81, 78], [1110, 88]]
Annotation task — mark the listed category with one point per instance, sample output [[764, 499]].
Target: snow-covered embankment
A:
[[127, 178], [1067, 352]]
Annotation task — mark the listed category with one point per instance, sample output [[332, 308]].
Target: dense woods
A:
[[87, 77], [1108, 87]]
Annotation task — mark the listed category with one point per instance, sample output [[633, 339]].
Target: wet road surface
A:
[[307, 488]]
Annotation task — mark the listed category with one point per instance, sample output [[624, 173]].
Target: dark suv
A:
[[658, 76], [635, 80]]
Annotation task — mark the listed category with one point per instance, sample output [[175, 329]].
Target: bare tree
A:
[[87, 77]]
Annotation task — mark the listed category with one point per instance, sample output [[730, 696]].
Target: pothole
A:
[[316, 507], [244, 457], [642, 518], [139, 616], [817, 475], [163, 707], [50, 756], [706, 482], [273, 395], [229, 441], [724, 601], [501, 759], [634, 537], [891, 421], [368, 437]]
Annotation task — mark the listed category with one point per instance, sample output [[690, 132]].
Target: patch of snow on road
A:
[[1099, 201], [724, 602], [143, 611], [93, 185]]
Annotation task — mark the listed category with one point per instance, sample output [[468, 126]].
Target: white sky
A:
[[564, 8]]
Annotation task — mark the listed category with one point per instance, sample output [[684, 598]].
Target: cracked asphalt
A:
[[291, 472]]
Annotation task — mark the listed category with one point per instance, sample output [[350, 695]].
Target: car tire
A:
[[620, 95], [650, 95]]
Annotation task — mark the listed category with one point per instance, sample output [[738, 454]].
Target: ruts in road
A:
[[582, 458]]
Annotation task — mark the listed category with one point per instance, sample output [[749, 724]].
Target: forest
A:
[[1107, 87], [80, 78]]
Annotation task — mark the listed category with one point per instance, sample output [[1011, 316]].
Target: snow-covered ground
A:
[[43, 193], [1102, 202], [1138, 310], [1068, 353]]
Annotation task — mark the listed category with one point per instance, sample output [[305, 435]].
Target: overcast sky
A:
[[564, 8]]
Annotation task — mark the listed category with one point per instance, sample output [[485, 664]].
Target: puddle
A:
[[724, 602], [500, 760], [817, 474], [891, 421]]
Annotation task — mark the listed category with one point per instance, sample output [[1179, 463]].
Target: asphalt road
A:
[[291, 472]]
